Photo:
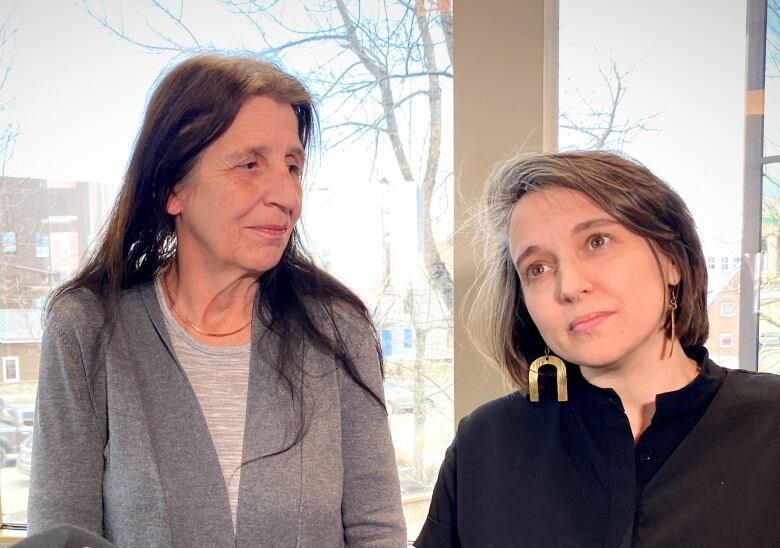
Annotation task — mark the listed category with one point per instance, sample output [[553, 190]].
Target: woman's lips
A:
[[270, 231], [588, 321]]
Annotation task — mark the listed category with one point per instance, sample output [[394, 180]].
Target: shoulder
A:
[[73, 335], [361, 343], [81, 315], [354, 327], [76, 312], [349, 331], [493, 418], [754, 389], [505, 407], [343, 321]]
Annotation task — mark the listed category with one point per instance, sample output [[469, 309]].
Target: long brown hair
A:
[[191, 107], [626, 190]]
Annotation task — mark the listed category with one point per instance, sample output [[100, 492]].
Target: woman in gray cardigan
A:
[[202, 382]]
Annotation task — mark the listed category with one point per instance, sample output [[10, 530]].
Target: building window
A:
[[726, 340], [711, 263], [387, 342], [724, 263], [9, 242], [10, 369], [726, 309], [42, 245], [735, 262]]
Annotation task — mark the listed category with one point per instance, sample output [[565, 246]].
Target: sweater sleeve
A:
[[371, 505], [67, 457]]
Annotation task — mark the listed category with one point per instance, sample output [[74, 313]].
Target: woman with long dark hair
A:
[[622, 432], [202, 382]]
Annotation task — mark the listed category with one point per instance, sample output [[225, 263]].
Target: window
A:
[[726, 340], [726, 309], [614, 95], [65, 252], [9, 242], [42, 245], [763, 145], [358, 181], [11, 369]]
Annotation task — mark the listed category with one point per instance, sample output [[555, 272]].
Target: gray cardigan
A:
[[121, 447]]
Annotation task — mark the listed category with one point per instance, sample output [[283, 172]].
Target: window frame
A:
[[5, 234], [750, 268], [6, 361]]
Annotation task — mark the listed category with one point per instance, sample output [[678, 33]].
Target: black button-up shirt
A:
[[705, 473], [676, 413]]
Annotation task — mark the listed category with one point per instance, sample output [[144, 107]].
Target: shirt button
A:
[[645, 455]]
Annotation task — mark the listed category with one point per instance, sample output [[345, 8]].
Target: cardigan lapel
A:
[[272, 464], [189, 470]]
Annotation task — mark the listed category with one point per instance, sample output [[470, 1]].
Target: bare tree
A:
[[772, 135], [9, 130], [773, 39], [379, 73], [601, 122], [373, 70]]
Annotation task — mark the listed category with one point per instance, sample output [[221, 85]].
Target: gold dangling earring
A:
[[560, 376], [672, 311]]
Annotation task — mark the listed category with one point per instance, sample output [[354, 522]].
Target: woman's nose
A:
[[573, 281], [284, 189]]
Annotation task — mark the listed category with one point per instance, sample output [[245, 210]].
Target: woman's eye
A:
[[598, 240], [535, 270]]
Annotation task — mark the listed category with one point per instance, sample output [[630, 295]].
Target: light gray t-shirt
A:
[[219, 377]]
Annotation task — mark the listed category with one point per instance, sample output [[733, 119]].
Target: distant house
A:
[[723, 312], [20, 339]]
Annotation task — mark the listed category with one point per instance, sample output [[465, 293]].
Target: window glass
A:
[[769, 290], [9, 242], [10, 369], [772, 80], [652, 80], [42, 245], [377, 208]]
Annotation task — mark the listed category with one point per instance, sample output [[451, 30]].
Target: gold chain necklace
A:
[[189, 323]]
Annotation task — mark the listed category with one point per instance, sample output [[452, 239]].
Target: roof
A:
[[717, 282], [21, 325]]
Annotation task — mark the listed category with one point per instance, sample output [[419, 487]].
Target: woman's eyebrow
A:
[[586, 225], [298, 152], [530, 250], [237, 155]]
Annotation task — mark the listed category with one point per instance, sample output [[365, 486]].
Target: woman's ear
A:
[[671, 272], [175, 204]]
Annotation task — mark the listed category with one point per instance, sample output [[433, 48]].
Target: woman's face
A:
[[237, 208], [595, 290]]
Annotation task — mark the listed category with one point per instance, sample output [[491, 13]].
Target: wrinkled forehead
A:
[[553, 208]]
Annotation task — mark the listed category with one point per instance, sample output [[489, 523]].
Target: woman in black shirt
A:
[[622, 431]]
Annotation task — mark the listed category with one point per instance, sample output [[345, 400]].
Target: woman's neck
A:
[[638, 380], [215, 302]]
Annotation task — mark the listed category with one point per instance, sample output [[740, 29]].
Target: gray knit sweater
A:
[[121, 447]]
